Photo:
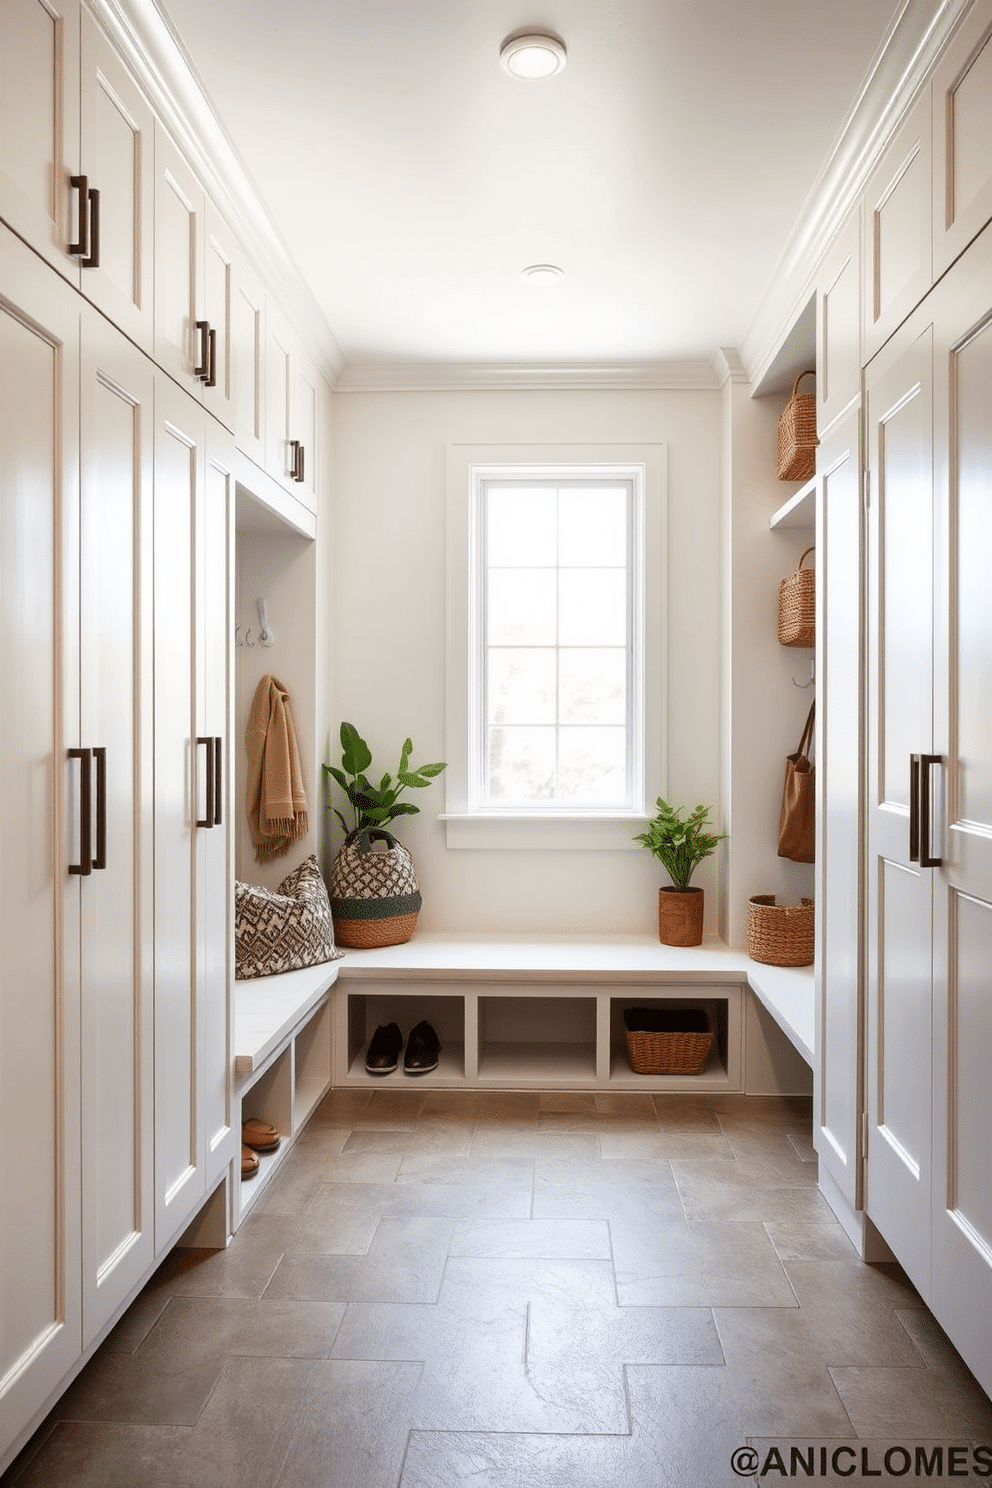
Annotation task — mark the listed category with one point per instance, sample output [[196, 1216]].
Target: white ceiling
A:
[[412, 179]]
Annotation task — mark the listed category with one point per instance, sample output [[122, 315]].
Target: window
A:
[[557, 684], [555, 644]]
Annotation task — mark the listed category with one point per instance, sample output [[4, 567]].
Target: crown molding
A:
[[728, 367], [441, 377], [166, 74], [916, 36]]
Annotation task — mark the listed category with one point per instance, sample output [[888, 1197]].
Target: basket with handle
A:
[[797, 606], [796, 453]]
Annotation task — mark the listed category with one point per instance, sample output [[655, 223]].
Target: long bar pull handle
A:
[[100, 755], [203, 368], [85, 864], [294, 445], [92, 259], [927, 761], [300, 458], [914, 808], [208, 819], [218, 779], [211, 377], [82, 185]]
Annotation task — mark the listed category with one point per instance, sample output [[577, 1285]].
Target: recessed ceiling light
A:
[[533, 55], [542, 273]]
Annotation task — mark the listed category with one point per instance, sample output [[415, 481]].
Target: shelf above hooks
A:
[[799, 510]]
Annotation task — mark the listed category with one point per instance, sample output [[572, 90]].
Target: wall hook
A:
[[237, 636], [248, 639], [812, 677], [265, 634]]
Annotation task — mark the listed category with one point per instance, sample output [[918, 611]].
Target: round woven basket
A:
[[780, 934], [375, 897]]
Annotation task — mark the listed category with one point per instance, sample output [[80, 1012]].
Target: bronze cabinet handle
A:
[[211, 378], [92, 259], [82, 185], [218, 780], [100, 755], [927, 860], [202, 369], [208, 819], [914, 808], [85, 864]]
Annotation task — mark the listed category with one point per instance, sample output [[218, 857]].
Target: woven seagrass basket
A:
[[797, 607], [780, 934], [667, 1041], [795, 457]]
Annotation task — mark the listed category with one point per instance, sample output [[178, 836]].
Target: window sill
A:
[[531, 831]]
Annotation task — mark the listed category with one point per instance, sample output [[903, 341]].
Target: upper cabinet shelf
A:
[[799, 510]]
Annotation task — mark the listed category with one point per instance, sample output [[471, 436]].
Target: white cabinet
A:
[[248, 353], [76, 157], [962, 157], [929, 872], [838, 324], [75, 1020], [194, 273], [897, 214], [115, 720], [193, 888], [292, 404], [40, 1299], [838, 1085], [39, 126]]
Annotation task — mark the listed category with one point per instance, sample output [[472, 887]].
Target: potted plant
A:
[[680, 843], [375, 897]]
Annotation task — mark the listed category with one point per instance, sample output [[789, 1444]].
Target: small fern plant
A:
[[679, 842], [375, 805]]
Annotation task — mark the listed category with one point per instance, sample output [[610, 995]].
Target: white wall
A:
[[386, 575]]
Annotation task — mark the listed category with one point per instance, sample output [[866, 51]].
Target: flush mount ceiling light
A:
[[532, 55], [542, 273]]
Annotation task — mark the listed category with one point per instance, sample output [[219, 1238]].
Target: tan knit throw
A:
[[275, 799]]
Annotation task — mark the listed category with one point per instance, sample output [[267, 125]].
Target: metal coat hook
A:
[[812, 677], [237, 636], [265, 634], [248, 639]]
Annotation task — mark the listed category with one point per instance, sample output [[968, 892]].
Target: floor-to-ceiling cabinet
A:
[[929, 859]]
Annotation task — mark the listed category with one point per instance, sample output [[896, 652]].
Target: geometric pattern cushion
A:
[[285, 930]]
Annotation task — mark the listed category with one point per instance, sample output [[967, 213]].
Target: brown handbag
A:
[[797, 822]]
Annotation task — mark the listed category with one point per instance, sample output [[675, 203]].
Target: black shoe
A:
[[423, 1049], [384, 1050]]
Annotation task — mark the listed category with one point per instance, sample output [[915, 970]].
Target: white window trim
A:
[[561, 829]]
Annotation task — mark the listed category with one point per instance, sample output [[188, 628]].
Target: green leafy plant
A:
[[375, 805], [679, 842]]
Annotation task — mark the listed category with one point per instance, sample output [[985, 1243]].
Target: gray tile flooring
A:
[[524, 1291]]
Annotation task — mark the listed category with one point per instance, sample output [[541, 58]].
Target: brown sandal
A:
[[260, 1135], [249, 1164]]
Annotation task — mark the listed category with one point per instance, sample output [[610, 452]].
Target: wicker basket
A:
[[797, 607], [796, 454], [375, 897], [667, 1041], [779, 934]]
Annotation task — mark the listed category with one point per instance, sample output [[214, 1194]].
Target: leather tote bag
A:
[[797, 821]]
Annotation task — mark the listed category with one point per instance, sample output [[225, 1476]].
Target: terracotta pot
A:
[[680, 916]]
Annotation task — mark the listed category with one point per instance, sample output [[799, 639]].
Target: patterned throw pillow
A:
[[285, 930]]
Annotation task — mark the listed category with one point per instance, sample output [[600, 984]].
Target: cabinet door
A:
[[962, 958], [116, 717], [899, 393], [838, 324], [248, 343], [40, 1337], [39, 126], [179, 1147], [279, 349], [214, 856], [306, 424], [838, 1093], [962, 161], [117, 153], [898, 228], [216, 308], [179, 206]]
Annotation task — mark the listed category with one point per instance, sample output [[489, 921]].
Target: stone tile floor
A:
[[525, 1291]]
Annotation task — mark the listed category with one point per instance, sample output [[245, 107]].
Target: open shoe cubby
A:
[[517, 1035]]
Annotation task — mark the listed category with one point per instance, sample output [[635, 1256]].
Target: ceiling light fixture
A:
[[542, 273], [532, 55]]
